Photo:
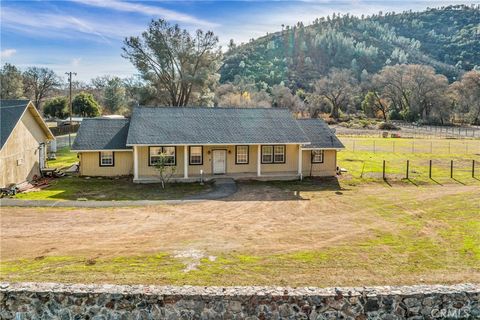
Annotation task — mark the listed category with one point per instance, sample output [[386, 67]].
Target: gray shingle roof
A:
[[102, 134], [10, 113], [319, 134], [199, 125]]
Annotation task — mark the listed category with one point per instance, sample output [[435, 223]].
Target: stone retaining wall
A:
[[61, 301]]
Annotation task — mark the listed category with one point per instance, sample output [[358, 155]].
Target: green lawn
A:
[[73, 188], [65, 159]]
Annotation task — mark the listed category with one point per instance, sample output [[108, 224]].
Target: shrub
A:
[[387, 126]]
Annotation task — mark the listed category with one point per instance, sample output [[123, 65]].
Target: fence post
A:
[[408, 164], [473, 168], [448, 147], [431, 146], [373, 146], [430, 170], [383, 169], [451, 168]]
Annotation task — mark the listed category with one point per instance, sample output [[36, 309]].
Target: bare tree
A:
[[339, 88], [414, 91], [38, 83], [177, 62], [466, 94], [283, 98]]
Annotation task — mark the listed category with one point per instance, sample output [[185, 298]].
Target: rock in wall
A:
[[62, 301]]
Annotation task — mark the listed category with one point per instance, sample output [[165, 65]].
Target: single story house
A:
[[251, 143], [23, 138]]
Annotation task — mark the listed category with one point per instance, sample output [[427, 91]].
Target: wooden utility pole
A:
[[69, 74]]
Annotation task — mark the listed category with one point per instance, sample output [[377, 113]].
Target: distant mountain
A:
[[446, 38]]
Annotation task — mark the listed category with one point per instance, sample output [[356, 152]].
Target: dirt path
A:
[[288, 221]]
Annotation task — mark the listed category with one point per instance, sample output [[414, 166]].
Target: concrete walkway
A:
[[222, 188]]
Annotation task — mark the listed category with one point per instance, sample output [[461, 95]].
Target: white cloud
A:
[[147, 10], [76, 62], [61, 25], [7, 53]]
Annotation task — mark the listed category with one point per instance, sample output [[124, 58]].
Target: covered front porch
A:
[[240, 162]]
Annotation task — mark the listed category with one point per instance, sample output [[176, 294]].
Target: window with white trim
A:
[[156, 153], [279, 154], [273, 154], [196, 155], [317, 156], [241, 154], [267, 154], [106, 159]]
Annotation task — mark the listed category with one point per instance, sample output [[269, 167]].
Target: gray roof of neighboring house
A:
[[319, 134], [102, 134], [10, 113], [200, 125]]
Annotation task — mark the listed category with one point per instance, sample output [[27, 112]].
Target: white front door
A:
[[219, 161]]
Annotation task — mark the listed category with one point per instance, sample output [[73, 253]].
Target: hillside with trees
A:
[[412, 66], [448, 39]]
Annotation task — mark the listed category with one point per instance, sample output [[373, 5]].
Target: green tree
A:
[[11, 82], [112, 93], [39, 83], [164, 168], [374, 104], [85, 105], [56, 108], [177, 63]]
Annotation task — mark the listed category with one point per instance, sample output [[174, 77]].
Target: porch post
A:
[[185, 162], [300, 160], [135, 163], [259, 160]]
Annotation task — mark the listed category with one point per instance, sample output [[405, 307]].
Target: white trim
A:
[[186, 160], [135, 163], [103, 150], [259, 160], [217, 144], [338, 149], [300, 161]]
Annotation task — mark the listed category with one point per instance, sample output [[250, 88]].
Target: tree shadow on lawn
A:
[[284, 190]]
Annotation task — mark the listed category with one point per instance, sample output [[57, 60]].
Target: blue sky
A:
[[86, 36]]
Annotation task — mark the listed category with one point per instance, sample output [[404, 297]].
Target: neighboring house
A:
[[247, 143], [23, 138]]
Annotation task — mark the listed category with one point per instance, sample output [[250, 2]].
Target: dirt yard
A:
[[266, 233]]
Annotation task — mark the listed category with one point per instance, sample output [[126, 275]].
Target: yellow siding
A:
[[19, 157], [325, 169], [124, 163], [89, 164], [290, 165]]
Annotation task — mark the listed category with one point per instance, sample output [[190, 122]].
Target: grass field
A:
[[73, 188], [365, 165], [305, 233], [65, 159], [355, 230]]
